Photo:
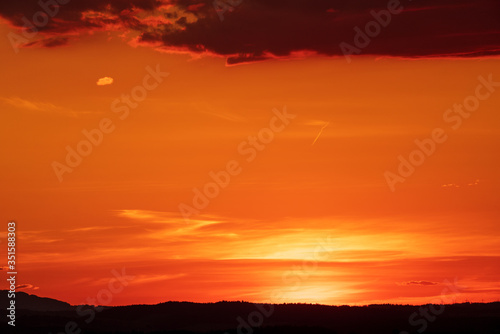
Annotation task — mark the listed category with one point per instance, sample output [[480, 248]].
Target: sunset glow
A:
[[210, 174]]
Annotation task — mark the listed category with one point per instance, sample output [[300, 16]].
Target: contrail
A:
[[320, 132]]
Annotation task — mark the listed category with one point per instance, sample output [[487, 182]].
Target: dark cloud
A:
[[255, 30], [67, 15], [425, 283], [49, 42]]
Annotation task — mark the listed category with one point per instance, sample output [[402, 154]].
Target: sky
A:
[[266, 152]]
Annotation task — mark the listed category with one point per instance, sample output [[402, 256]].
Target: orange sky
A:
[[306, 223]]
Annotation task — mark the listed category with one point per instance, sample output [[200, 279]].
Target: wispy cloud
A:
[[204, 108], [142, 279], [26, 287], [91, 228], [254, 239], [30, 105], [166, 253], [38, 106]]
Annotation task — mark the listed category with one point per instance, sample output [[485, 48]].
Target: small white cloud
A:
[[104, 81], [452, 185], [475, 183]]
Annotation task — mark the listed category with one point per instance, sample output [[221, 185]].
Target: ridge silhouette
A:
[[44, 315]]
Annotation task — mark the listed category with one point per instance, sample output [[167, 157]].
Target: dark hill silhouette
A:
[[34, 303], [237, 318]]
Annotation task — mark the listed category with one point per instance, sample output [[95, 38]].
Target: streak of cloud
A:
[[320, 132], [423, 283]]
